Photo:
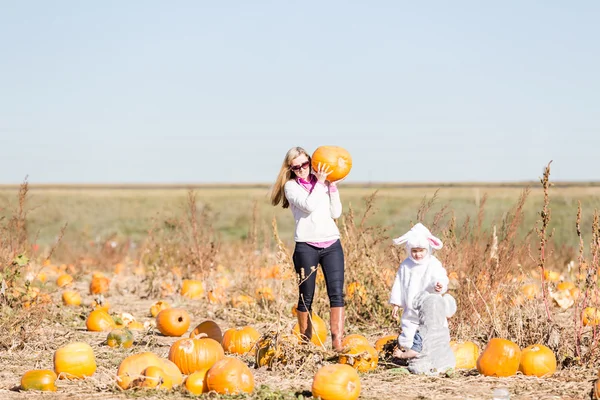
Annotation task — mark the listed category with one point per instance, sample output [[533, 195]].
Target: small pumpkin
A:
[[158, 307], [153, 377], [133, 366], [121, 337], [354, 340], [209, 328], [336, 158], [195, 383], [192, 289], [99, 284], [466, 354], [381, 343], [240, 340], [192, 355], [537, 360], [268, 348], [591, 316], [230, 376], [136, 326], [173, 321], [74, 361], [336, 382], [64, 280], [39, 379], [99, 321], [71, 298], [500, 358], [362, 357]]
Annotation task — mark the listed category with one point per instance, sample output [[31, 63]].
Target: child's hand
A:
[[395, 312], [438, 287]]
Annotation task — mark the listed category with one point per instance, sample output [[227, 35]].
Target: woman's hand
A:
[[322, 172]]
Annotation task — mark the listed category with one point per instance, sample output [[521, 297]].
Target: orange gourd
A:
[[240, 340], [230, 376], [191, 355], [537, 360], [361, 357], [336, 158], [192, 289], [99, 284], [173, 321], [122, 337], [319, 330], [466, 354], [336, 382], [99, 321], [71, 298], [158, 307], [64, 280], [74, 361], [381, 342], [195, 383], [209, 328], [39, 379], [500, 358]]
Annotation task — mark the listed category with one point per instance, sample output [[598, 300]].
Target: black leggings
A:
[[332, 262]]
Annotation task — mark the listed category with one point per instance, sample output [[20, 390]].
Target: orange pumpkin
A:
[[192, 289], [154, 377], [195, 383], [336, 382], [500, 358], [132, 367], [39, 379], [158, 307], [537, 360], [209, 328], [230, 376], [120, 338], [71, 298], [336, 158], [466, 354], [591, 316], [362, 357], [240, 340], [381, 342], [99, 284], [192, 355], [99, 321], [319, 330], [64, 280], [173, 321], [74, 361], [135, 326], [354, 340]]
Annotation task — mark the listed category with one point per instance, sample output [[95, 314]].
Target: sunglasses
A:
[[301, 166]]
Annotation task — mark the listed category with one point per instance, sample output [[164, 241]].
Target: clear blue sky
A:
[[218, 91]]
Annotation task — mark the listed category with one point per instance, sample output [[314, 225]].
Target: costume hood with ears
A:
[[419, 236]]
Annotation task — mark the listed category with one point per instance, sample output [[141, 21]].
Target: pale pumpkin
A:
[[39, 379], [74, 361], [173, 321], [192, 289], [336, 382], [121, 337], [195, 383], [191, 355], [208, 328], [336, 158], [537, 360], [230, 376], [500, 358], [240, 340], [466, 354], [132, 367], [361, 357], [158, 307], [99, 321]]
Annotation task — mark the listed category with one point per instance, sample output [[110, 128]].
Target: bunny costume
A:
[[414, 277]]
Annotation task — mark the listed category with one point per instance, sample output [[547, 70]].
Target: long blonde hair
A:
[[285, 174]]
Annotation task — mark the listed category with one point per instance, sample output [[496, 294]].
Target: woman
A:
[[315, 203]]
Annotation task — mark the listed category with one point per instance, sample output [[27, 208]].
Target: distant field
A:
[[98, 211]]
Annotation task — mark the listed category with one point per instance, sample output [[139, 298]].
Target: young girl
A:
[[315, 203], [420, 271]]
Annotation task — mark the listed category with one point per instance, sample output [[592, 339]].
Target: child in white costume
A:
[[420, 271]]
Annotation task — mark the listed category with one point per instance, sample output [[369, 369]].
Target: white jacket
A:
[[314, 212], [411, 279]]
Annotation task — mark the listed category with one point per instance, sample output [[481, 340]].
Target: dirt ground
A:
[[387, 382]]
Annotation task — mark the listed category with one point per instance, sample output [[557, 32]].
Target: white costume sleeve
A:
[[396, 295], [438, 274], [408, 334]]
